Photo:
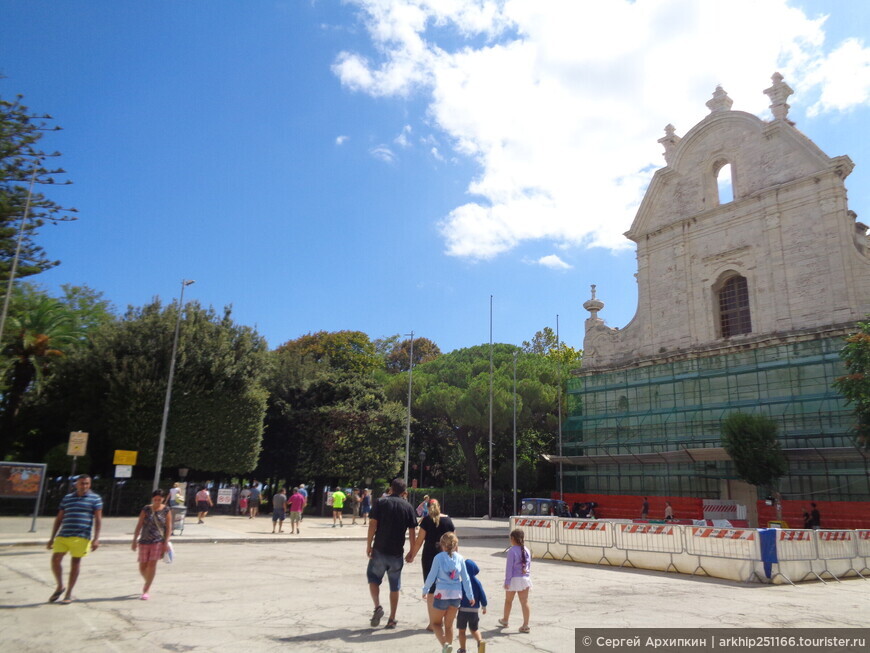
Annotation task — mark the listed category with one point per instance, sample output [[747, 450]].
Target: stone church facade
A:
[[751, 270]]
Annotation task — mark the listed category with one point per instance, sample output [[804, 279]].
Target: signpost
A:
[[78, 446], [23, 481], [125, 457], [225, 497]]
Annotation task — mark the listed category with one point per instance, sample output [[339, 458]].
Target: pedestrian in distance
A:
[[79, 517], [254, 500], [355, 501], [366, 505], [469, 613], [171, 499], [151, 538], [279, 507], [391, 517], [448, 570], [432, 527], [517, 578], [304, 493], [244, 500], [338, 498], [423, 507], [644, 509], [297, 504], [815, 517], [203, 503], [669, 511], [808, 520]]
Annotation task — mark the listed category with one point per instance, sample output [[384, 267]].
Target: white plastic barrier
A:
[[587, 534], [798, 547], [726, 543], [540, 534], [731, 553], [863, 545], [537, 529], [837, 546], [649, 538]]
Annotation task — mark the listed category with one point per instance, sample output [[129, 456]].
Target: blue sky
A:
[[387, 165]]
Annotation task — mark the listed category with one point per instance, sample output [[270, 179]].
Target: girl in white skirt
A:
[[517, 578]]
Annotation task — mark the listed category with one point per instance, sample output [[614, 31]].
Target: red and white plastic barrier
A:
[[580, 532], [649, 537]]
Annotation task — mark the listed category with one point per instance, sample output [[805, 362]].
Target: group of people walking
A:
[[452, 591]]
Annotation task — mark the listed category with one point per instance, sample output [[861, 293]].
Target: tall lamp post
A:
[[408, 424], [162, 441], [422, 462], [17, 253], [514, 504]]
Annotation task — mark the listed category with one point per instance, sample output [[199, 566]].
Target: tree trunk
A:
[[472, 469]]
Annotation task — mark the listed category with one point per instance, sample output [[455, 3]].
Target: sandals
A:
[[503, 623], [525, 629], [67, 600], [54, 597], [391, 623], [377, 615]]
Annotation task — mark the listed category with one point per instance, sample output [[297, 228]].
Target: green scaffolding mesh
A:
[[681, 404]]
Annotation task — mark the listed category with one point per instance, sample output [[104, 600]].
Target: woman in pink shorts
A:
[[151, 538]]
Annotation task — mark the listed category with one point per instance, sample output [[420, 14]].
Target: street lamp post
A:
[[162, 440], [408, 424], [514, 503], [422, 462]]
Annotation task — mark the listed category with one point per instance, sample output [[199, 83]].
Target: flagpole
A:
[[489, 483]]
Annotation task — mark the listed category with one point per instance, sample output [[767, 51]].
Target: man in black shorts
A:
[[391, 516]]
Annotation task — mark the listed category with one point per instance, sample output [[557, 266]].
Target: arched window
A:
[[734, 318], [725, 183]]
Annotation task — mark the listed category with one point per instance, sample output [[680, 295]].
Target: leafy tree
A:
[[397, 360], [545, 343], [20, 155], [115, 388], [40, 330], [855, 386], [346, 351], [87, 307], [328, 424], [758, 458], [453, 391]]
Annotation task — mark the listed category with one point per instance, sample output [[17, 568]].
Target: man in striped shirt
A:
[[81, 512]]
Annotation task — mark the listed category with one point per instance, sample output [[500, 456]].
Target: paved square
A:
[[311, 595]]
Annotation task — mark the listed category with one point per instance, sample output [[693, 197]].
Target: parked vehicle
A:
[[544, 508]]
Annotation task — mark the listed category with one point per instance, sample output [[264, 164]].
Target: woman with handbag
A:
[[151, 538]]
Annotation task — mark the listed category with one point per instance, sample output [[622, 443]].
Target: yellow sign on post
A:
[[78, 444], [125, 457]]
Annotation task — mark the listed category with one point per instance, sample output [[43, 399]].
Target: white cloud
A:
[[383, 153], [561, 103], [341, 140], [844, 77], [554, 262], [402, 139]]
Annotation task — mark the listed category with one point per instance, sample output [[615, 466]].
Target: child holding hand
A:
[[517, 578], [448, 569], [470, 608]]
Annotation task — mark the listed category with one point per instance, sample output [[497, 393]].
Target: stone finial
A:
[[778, 94], [593, 305], [720, 101], [669, 141]]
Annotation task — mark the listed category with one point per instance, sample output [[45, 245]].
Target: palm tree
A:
[[39, 334]]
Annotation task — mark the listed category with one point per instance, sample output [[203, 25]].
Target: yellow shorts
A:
[[77, 547]]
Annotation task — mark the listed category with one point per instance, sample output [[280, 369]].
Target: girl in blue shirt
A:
[[448, 569]]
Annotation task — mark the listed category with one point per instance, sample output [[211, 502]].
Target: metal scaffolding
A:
[[676, 405]]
